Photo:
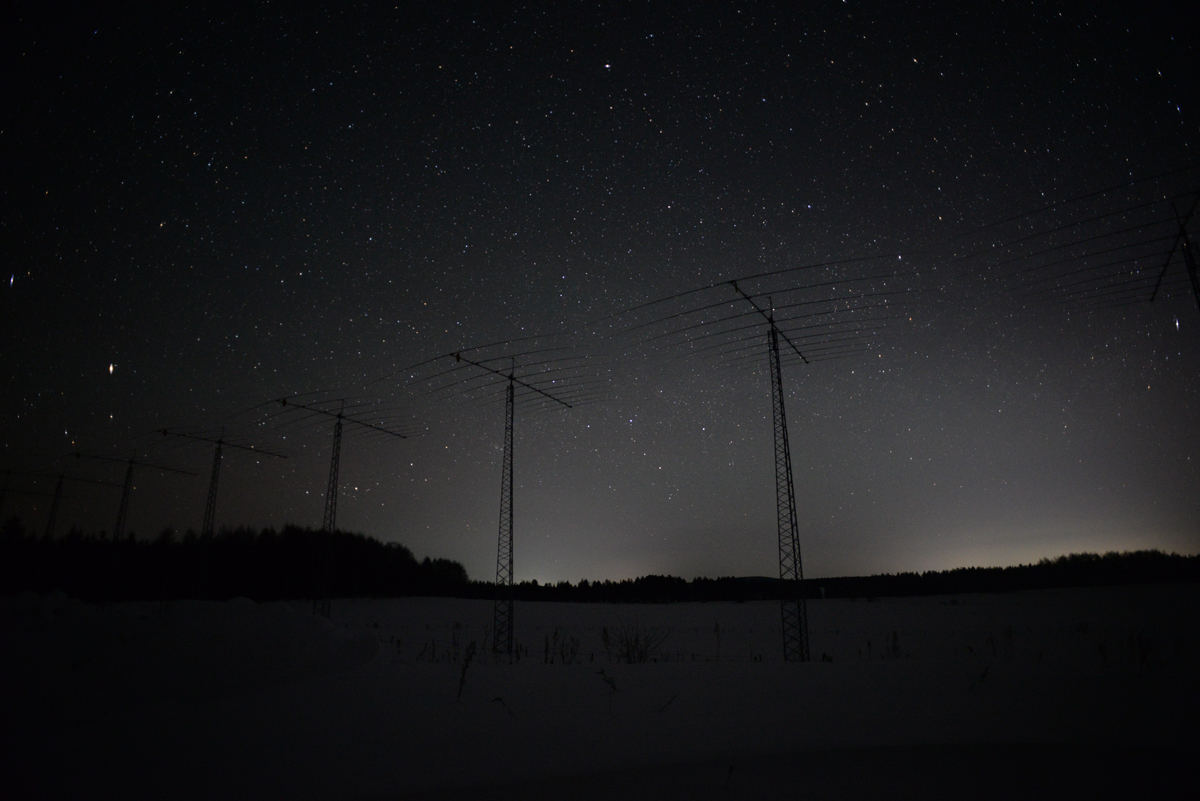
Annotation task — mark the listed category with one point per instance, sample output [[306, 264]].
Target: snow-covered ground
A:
[[1071, 693]]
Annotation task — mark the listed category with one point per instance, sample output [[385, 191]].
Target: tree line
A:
[[1073, 570], [267, 564], [295, 562]]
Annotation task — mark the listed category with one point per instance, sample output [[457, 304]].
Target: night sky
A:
[[971, 204]]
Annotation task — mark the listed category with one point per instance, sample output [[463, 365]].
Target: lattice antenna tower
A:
[[127, 486], [322, 603], [793, 610], [831, 316], [210, 504], [52, 518], [503, 604], [5, 489], [340, 418]]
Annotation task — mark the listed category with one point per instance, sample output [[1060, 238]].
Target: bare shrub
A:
[[634, 643]]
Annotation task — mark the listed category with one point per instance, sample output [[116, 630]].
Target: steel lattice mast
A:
[[50, 521], [57, 495], [828, 315], [127, 486], [329, 519], [792, 608], [322, 604], [503, 608], [502, 611], [793, 613], [210, 503]]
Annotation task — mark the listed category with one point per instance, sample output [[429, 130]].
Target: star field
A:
[[204, 213]]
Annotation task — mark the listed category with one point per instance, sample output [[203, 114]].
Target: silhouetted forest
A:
[[297, 563], [1074, 570], [264, 565]]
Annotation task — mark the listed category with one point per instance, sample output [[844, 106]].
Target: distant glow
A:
[[111, 368]]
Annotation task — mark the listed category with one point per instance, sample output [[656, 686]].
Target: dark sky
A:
[[202, 213]]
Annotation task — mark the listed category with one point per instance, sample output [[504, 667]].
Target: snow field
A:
[[1089, 689]]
